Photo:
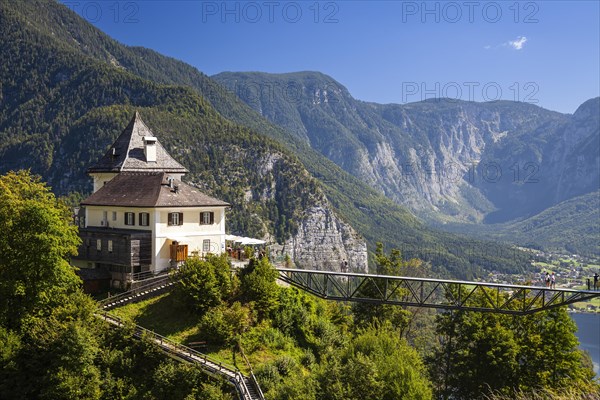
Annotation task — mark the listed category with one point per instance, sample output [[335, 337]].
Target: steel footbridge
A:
[[432, 293]]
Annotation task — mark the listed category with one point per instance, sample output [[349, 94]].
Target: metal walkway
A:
[[432, 293]]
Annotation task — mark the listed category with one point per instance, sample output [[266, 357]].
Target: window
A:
[[144, 219], [175, 218], [207, 218], [206, 245], [110, 248], [129, 218], [99, 244], [104, 215], [114, 215]]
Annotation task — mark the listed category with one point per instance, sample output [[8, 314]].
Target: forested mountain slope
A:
[[571, 227], [68, 90]]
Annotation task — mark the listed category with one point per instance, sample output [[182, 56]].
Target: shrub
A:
[[223, 324]]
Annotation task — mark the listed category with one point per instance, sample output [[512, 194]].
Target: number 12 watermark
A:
[[253, 12]]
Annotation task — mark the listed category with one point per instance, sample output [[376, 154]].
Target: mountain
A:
[[447, 160], [68, 89], [570, 227]]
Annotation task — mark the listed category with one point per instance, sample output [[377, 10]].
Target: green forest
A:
[[53, 346]]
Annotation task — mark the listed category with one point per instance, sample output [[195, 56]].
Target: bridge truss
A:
[[432, 293]]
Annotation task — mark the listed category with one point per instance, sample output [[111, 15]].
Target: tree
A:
[[484, 353], [393, 265], [223, 325], [259, 285], [205, 283], [478, 354], [46, 322], [549, 356], [36, 242], [377, 364]]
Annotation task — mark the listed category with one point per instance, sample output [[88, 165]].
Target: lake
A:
[[589, 335]]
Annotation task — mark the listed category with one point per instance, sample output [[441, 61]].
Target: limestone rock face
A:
[[324, 241], [447, 160]]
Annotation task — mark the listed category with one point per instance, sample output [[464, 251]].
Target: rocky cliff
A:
[[320, 239], [324, 242], [448, 160]]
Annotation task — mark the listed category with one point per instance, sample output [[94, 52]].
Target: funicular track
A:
[[246, 386]]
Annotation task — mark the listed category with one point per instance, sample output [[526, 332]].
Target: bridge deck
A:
[[433, 293]]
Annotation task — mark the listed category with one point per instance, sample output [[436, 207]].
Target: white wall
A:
[[94, 216], [190, 232]]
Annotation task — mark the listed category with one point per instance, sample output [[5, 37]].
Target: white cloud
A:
[[487, 47], [518, 43]]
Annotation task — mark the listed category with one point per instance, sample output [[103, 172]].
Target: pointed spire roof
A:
[[127, 153]]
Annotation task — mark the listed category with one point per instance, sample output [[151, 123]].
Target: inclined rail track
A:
[[246, 386]]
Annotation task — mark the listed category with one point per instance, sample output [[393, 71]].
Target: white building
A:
[[141, 218]]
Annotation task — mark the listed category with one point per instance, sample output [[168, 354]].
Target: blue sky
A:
[[543, 52]]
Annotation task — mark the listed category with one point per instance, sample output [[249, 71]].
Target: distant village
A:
[[572, 271]]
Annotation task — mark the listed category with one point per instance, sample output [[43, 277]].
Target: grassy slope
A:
[[166, 317]]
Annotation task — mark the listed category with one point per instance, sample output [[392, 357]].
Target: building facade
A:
[[141, 219]]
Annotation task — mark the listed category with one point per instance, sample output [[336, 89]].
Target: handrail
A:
[[430, 280], [139, 276], [433, 293], [254, 381], [235, 377], [135, 291], [216, 366]]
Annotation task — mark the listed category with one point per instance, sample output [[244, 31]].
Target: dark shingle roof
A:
[[127, 153], [149, 189]]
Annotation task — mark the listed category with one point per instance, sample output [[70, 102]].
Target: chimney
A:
[[150, 148]]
